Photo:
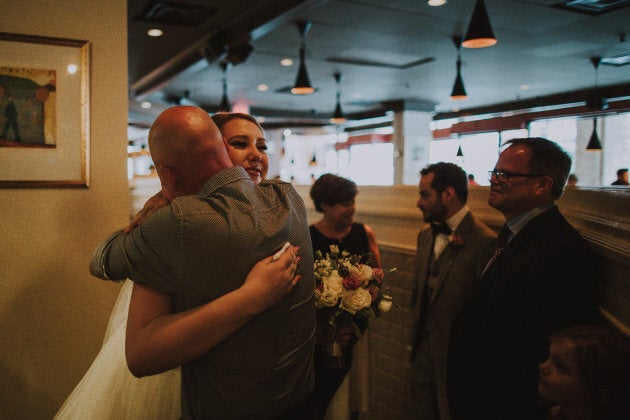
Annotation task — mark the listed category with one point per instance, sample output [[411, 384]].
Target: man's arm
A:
[[158, 339], [154, 203]]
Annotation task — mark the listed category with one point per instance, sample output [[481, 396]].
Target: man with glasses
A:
[[540, 279]]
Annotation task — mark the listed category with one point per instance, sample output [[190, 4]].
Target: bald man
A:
[[245, 347]]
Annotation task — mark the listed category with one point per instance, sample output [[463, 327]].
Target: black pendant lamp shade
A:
[[479, 34], [459, 91], [593, 143], [459, 151], [224, 106], [338, 117], [302, 82]]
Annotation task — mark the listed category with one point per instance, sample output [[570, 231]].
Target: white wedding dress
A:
[[109, 391]]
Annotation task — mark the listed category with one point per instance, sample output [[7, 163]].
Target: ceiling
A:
[[390, 54]]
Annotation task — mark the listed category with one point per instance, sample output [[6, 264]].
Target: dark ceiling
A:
[[389, 53]]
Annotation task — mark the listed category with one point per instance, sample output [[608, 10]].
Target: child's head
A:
[[588, 366]]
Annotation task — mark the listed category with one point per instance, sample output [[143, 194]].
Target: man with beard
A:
[[540, 279], [451, 253]]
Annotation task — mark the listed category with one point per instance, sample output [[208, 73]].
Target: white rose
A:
[[366, 272], [355, 300], [355, 271], [325, 299], [385, 304], [333, 284]]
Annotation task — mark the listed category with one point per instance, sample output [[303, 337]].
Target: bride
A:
[[108, 390]]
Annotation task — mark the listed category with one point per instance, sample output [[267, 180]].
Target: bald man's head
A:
[[187, 149]]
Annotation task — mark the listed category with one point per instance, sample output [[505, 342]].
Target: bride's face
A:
[[247, 147]]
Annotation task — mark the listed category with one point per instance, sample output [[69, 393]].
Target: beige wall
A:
[[53, 314]]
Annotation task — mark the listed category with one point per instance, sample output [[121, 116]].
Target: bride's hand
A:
[[151, 206], [270, 281]]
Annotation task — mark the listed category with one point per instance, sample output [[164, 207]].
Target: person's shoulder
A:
[[482, 229]]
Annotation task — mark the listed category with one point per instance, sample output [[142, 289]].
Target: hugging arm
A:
[[159, 339]]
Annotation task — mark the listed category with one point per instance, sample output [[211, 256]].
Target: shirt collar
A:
[[222, 178], [519, 221], [454, 221]]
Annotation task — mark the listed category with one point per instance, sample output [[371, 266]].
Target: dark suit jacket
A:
[[460, 266], [544, 280]]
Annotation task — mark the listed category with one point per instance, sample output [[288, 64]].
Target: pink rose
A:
[[352, 282], [374, 291]]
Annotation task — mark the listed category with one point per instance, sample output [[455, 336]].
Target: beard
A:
[[436, 214]]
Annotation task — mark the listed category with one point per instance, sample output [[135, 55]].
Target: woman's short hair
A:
[[331, 189]]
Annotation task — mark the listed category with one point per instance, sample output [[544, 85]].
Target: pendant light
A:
[[459, 91], [459, 151], [593, 143], [302, 82], [224, 106], [338, 117], [595, 99], [479, 34]]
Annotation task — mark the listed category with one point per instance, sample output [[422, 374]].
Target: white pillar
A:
[[412, 137]]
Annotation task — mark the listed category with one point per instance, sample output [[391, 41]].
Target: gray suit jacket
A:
[[460, 268]]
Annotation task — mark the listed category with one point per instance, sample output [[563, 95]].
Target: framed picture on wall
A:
[[44, 112]]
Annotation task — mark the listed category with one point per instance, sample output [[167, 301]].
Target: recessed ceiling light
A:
[[286, 62], [72, 68], [436, 2], [263, 87], [155, 32], [524, 87], [145, 105]]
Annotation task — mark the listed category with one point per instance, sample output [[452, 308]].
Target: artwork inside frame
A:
[[44, 112]]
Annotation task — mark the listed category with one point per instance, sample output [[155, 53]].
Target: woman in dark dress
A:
[[334, 197]]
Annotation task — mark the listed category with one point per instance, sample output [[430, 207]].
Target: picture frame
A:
[[44, 112]]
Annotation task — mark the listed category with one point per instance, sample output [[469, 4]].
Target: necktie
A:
[[440, 228], [504, 236], [501, 242]]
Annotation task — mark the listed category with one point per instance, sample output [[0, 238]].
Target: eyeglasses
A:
[[503, 176]]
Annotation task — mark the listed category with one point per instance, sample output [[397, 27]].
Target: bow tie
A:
[[440, 228]]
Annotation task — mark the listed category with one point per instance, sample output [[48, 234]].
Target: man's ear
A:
[[543, 185], [448, 195], [168, 179]]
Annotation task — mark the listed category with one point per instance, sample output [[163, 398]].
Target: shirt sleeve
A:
[[148, 255]]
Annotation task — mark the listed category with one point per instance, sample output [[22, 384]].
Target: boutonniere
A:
[[456, 240]]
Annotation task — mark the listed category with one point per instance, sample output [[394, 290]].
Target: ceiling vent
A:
[[178, 14], [592, 7]]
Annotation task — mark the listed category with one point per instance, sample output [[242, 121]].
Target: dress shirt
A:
[[441, 240]]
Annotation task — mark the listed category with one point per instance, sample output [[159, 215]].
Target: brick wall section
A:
[[389, 369]]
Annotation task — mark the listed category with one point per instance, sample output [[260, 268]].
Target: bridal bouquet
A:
[[348, 292]]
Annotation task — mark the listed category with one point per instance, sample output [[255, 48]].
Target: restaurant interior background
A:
[[303, 155], [54, 314], [564, 76]]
